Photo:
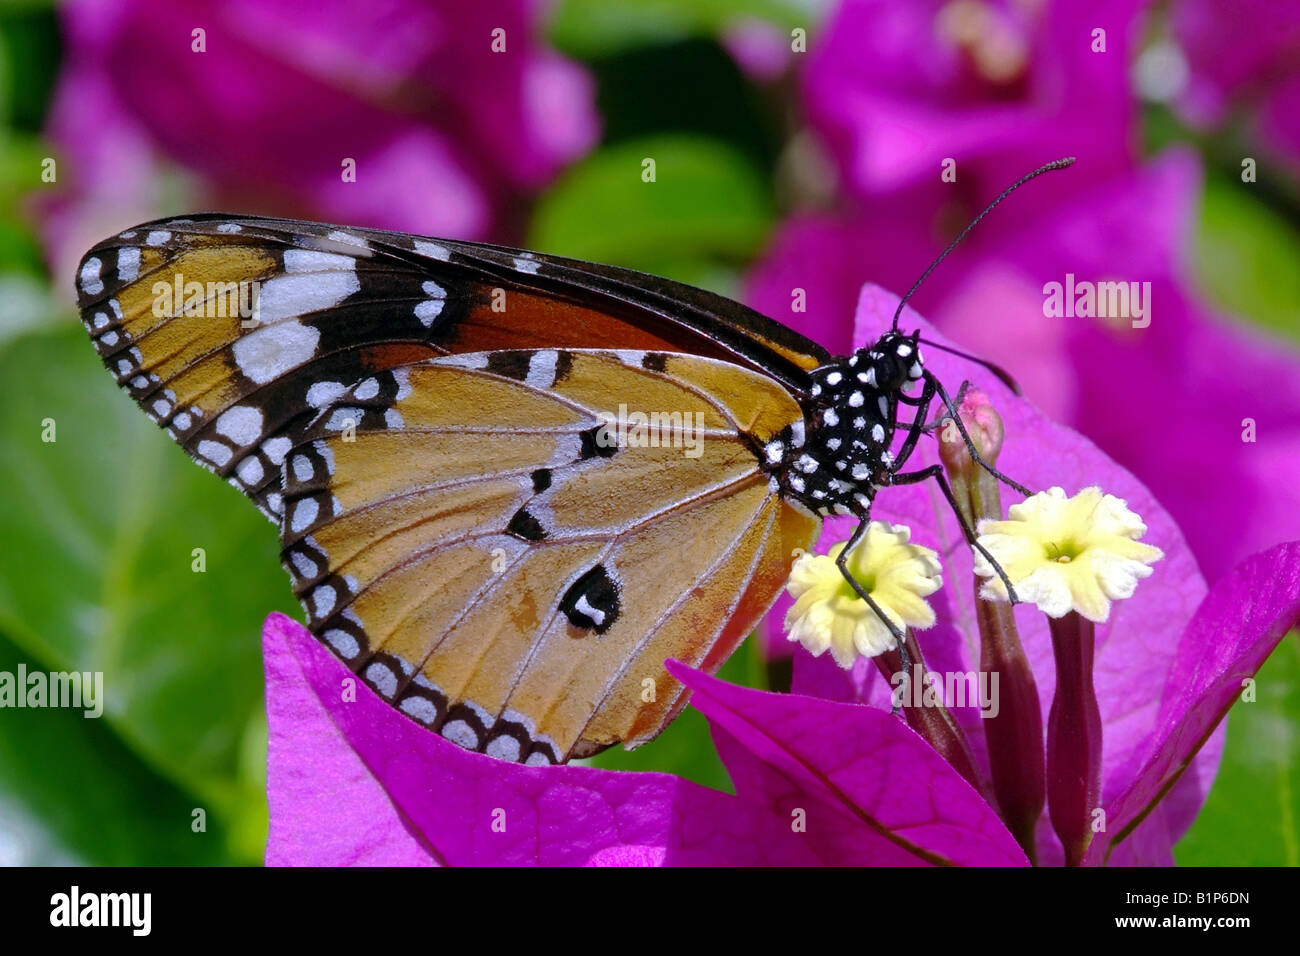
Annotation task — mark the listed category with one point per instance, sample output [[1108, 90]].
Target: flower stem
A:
[[926, 713], [1073, 737], [1013, 728], [1014, 731]]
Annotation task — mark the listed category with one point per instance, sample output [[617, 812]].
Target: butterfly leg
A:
[[943, 416], [905, 659], [916, 429], [970, 445], [936, 472]]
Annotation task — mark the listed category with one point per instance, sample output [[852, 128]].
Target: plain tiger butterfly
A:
[[508, 485]]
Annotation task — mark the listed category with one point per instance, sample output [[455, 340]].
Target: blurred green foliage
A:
[[98, 529], [1252, 817]]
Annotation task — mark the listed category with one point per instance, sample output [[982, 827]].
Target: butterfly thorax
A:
[[839, 457]]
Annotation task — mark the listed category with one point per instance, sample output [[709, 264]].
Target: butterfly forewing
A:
[[232, 333], [519, 572]]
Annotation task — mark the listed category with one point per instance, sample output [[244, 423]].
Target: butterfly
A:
[[508, 485]]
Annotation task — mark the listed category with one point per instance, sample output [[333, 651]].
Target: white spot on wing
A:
[[322, 393], [304, 513], [250, 471], [345, 644], [91, 284], [541, 368], [421, 708], [128, 264], [503, 747], [461, 734], [289, 296], [431, 308], [270, 352], [323, 599], [310, 260], [242, 424], [432, 250], [275, 449], [215, 452], [383, 679]]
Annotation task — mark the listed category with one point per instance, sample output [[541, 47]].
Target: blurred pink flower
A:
[[446, 134], [1242, 54], [896, 88]]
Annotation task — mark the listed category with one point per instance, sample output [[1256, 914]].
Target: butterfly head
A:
[[890, 364]]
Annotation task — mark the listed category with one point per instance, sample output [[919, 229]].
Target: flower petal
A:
[[353, 781], [873, 792], [1240, 622]]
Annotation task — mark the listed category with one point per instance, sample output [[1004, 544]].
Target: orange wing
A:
[[484, 544]]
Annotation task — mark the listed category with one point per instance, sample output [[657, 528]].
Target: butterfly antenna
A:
[[1047, 168], [997, 370]]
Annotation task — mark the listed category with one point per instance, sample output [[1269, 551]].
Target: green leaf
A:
[[1246, 256], [706, 205], [1253, 812], [72, 792], [597, 27], [100, 533]]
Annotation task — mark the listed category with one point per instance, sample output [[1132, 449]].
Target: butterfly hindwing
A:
[[517, 571]]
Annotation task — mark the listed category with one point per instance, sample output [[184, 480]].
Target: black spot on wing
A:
[[526, 526], [510, 364], [654, 361], [592, 602], [563, 366], [597, 442]]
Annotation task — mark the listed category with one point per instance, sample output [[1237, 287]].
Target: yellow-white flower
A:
[[828, 614], [1067, 553]]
